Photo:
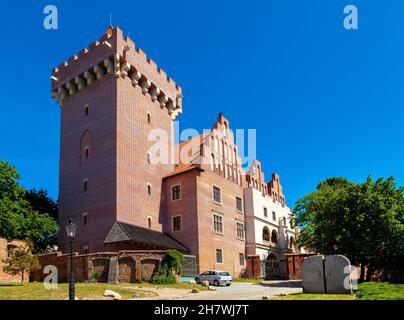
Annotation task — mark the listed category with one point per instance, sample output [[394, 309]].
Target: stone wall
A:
[[132, 266]]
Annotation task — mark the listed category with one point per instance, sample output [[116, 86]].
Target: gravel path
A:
[[248, 291], [237, 291]]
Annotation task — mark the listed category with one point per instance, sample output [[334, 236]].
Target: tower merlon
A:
[[115, 54]]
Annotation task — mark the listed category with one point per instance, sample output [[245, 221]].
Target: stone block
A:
[[313, 275], [337, 274]]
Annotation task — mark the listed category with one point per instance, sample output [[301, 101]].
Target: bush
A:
[[160, 279], [171, 263]]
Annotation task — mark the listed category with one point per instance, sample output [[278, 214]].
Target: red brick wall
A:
[[133, 265], [116, 170], [5, 245], [196, 208]]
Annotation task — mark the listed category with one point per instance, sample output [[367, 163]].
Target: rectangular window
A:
[[149, 189], [85, 218], [219, 256], [148, 156], [177, 223], [239, 204], [176, 192], [218, 223], [273, 216], [265, 212], [240, 230], [216, 195], [86, 110], [241, 259]]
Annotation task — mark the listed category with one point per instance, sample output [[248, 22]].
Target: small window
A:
[[273, 216], [149, 189], [148, 157], [216, 195], [85, 184], [218, 223], [149, 222], [85, 250], [239, 204], [265, 212], [177, 223], [219, 256], [176, 192], [240, 230], [84, 218], [86, 152], [284, 221], [241, 259], [86, 107], [148, 117]]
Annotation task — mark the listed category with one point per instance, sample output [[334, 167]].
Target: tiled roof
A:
[[126, 232]]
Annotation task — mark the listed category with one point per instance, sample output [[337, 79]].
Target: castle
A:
[[112, 97]]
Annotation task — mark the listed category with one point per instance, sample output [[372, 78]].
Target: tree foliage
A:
[[363, 221], [18, 219], [172, 263], [42, 202], [21, 260]]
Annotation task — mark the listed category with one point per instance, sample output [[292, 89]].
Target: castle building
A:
[[114, 103], [270, 234], [204, 201], [111, 96]]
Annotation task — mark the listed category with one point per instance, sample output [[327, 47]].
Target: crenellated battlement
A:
[[115, 54]]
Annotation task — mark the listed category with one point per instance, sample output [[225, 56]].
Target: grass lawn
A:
[[307, 296], [90, 291], [365, 291], [380, 291], [253, 280]]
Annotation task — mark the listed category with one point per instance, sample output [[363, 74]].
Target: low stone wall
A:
[[122, 266]]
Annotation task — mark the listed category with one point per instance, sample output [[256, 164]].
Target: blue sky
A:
[[324, 101]]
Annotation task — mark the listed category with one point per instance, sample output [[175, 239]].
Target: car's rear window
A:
[[224, 273]]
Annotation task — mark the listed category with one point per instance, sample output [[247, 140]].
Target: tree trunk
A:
[[22, 277], [362, 276], [369, 273]]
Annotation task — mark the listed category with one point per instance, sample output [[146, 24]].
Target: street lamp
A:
[[71, 234]]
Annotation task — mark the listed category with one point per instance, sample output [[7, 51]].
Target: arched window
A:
[[85, 146], [274, 236], [291, 242], [265, 234]]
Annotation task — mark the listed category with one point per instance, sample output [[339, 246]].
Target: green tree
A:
[[18, 219], [42, 202], [172, 263], [362, 221], [21, 260]]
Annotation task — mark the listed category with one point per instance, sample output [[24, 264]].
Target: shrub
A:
[[161, 279], [171, 263]]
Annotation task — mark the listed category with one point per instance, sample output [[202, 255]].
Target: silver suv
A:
[[214, 277]]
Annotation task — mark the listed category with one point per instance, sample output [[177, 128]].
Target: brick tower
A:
[[111, 96]]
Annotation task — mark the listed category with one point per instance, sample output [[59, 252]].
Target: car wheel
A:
[[228, 284], [216, 283], [198, 281]]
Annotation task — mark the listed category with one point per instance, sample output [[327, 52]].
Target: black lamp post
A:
[[71, 233]]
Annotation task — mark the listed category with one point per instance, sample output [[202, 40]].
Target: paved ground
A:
[[237, 291]]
